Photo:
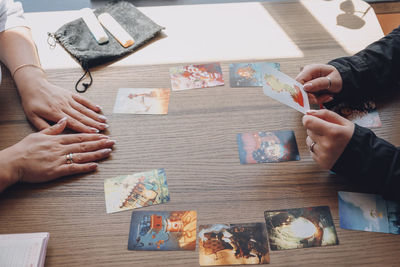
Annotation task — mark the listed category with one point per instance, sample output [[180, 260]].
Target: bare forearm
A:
[[8, 171]]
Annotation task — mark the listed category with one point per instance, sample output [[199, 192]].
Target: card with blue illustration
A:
[[368, 212], [163, 230], [248, 74], [262, 147]]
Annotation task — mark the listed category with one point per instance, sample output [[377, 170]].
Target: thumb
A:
[[328, 116], [56, 128]]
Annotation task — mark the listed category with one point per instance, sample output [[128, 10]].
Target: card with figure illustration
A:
[[364, 114], [263, 147], [231, 244], [300, 228], [286, 90], [163, 230], [248, 74], [136, 190], [142, 101], [196, 76], [368, 212]]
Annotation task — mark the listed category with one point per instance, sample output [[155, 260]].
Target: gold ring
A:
[[330, 83], [312, 147], [70, 158]]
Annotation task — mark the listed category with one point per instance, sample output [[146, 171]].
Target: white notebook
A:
[[23, 249]]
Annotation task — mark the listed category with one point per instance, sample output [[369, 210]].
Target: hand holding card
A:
[[286, 90]]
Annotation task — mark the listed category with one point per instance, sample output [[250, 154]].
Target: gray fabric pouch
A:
[[76, 38]]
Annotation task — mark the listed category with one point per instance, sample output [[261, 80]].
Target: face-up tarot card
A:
[[142, 101], [163, 230], [286, 90], [364, 114], [229, 244], [260, 147], [136, 190], [248, 74], [368, 212], [300, 228], [196, 76]]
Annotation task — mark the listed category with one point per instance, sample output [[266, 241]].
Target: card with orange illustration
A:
[[286, 90]]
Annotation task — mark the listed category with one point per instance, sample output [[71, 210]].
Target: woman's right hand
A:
[[42, 156], [320, 82]]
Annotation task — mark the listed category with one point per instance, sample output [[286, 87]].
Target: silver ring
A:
[[330, 83], [312, 147], [70, 158]]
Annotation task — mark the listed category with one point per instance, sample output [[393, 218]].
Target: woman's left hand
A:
[[43, 102]]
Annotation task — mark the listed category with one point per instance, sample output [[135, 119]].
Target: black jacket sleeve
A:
[[367, 159], [371, 72]]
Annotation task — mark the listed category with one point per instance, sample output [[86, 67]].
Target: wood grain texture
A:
[[196, 144]]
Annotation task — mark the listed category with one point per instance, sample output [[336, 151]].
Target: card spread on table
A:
[[142, 101], [163, 230], [231, 244], [196, 76], [364, 114], [136, 190], [300, 228], [286, 90], [368, 212], [261, 147], [248, 74]]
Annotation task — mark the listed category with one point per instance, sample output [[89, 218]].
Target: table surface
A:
[[196, 145]]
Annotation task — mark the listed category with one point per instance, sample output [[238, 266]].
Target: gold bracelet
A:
[[26, 65]]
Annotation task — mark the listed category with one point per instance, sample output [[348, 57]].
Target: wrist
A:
[[9, 171], [29, 79]]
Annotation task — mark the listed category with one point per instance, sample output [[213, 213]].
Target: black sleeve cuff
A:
[[371, 162]]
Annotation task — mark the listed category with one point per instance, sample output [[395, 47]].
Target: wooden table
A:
[[196, 144]]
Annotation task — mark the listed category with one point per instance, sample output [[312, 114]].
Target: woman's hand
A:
[[42, 156], [320, 82], [328, 135], [43, 101]]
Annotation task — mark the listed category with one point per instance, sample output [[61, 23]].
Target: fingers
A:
[[88, 112], [309, 142], [317, 125], [313, 71], [80, 138], [85, 102], [89, 146], [328, 116], [56, 128], [78, 126], [318, 85], [38, 122], [74, 168], [91, 156], [91, 125]]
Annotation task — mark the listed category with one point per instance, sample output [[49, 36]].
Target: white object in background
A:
[[119, 33], [94, 26], [23, 249]]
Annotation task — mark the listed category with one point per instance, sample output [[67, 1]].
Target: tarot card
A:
[[300, 228], [163, 230], [368, 212], [248, 74], [263, 147], [231, 244], [142, 101], [136, 190], [364, 114], [286, 90], [196, 76]]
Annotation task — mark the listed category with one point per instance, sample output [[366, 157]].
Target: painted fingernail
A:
[[103, 118], [104, 137], [311, 111], [94, 130], [97, 106], [93, 165], [107, 151], [110, 142], [307, 85], [104, 126], [328, 100], [62, 120]]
